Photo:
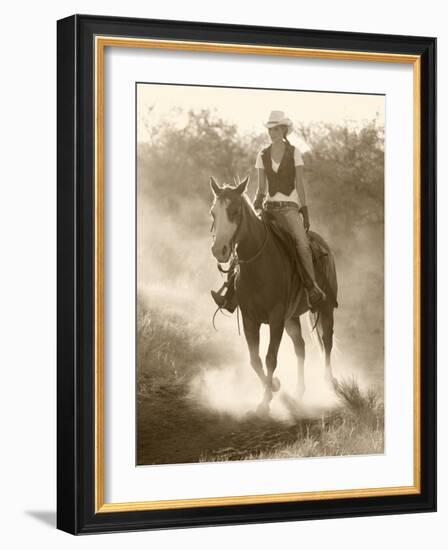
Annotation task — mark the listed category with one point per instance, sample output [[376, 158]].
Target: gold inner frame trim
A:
[[101, 42]]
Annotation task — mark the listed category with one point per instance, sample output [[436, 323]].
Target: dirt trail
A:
[[173, 428]]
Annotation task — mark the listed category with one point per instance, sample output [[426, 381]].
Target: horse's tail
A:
[[322, 326], [331, 278], [325, 267], [316, 328]]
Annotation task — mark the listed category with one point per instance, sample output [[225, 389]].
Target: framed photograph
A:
[[246, 274]]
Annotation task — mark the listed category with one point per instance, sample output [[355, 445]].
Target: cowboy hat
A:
[[277, 118]]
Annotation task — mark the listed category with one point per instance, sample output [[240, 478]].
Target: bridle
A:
[[233, 243], [237, 261]]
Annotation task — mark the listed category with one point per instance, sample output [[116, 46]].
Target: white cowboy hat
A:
[[277, 118]]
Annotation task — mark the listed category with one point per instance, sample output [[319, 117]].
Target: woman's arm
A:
[[261, 189], [299, 185], [301, 193]]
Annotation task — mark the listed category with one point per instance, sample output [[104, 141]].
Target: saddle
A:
[[322, 258]]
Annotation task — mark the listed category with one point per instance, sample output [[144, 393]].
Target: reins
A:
[[234, 242], [250, 260]]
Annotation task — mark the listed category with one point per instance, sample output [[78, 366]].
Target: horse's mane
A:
[[247, 202]]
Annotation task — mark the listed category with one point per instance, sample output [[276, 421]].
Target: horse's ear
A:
[[242, 186], [215, 187]]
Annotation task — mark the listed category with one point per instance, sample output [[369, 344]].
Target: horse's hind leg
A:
[[294, 331], [327, 321]]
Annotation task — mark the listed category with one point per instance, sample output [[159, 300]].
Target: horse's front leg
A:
[[276, 326], [252, 333]]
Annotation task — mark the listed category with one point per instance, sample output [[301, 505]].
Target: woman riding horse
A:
[[269, 286], [280, 177]]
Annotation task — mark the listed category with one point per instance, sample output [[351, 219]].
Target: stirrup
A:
[[220, 300], [223, 302]]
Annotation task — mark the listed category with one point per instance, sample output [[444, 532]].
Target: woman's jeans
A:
[[289, 218]]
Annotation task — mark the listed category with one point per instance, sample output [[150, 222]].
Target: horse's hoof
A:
[[275, 384]]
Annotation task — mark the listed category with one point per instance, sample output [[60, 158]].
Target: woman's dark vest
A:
[[282, 181]]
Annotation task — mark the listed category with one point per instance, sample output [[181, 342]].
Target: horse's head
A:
[[226, 212]]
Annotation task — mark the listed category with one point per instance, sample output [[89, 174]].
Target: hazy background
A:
[[186, 370]]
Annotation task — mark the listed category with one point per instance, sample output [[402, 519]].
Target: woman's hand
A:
[[258, 202], [306, 218]]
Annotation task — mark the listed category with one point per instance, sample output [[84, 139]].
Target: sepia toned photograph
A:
[[260, 274]]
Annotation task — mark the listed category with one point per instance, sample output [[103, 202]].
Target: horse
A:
[[269, 287]]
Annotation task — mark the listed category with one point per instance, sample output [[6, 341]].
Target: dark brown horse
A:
[[268, 285]]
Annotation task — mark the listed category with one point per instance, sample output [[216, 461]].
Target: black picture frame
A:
[[76, 512]]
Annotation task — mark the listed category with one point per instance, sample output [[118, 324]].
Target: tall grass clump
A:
[[365, 409], [356, 427], [170, 348]]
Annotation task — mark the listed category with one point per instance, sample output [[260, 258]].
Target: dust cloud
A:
[[175, 273]]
